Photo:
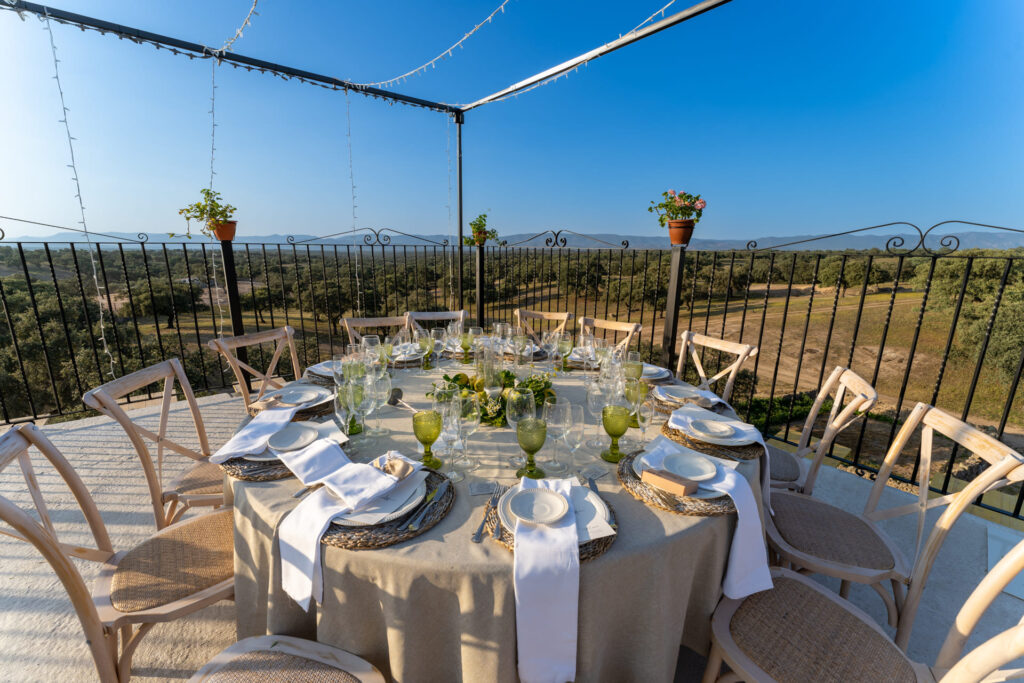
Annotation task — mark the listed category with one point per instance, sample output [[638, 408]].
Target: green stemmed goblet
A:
[[531, 432], [615, 419], [466, 343], [565, 346], [426, 426]]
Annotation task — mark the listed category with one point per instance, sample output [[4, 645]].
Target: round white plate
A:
[[538, 506], [676, 393], [417, 496], [586, 504], [654, 372], [324, 369], [702, 493], [293, 437], [303, 393], [741, 437], [713, 428]]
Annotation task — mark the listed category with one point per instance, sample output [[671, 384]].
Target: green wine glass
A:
[[564, 349], [633, 366], [616, 422], [426, 426], [466, 343], [531, 433]]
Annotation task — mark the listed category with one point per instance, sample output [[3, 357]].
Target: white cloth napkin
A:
[[252, 438], [748, 571], [349, 488], [546, 576]]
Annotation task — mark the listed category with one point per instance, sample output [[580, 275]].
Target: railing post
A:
[[672, 300], [234, 302], [480, 286]]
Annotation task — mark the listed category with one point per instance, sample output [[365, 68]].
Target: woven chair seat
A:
[[266, 665], [784, 465], [204, 477], [829, 533], [184, 559], [796, 633]]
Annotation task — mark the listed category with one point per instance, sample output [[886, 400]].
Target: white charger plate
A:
[[359, 519], [586, 504], [325, 369], [676, 393], [742, 437], [702, 493], [713, 428], [303, 393], [538, 506], [292, 437], [325, 430], [654, 372]]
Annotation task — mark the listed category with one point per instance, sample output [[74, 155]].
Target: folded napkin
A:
[[702, 397], [546, 577], [352, 487], [407, 351], [252, 438], [748, 571], [660, 447], [682, 418]]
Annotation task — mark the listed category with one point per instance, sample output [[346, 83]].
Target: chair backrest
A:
[[852, 397], [354, 326], [691, 342], [1005, 466], [522, 318], [415, 317], [588, 325], [14, 445], [997, 651], [106, 398], [281, 337]]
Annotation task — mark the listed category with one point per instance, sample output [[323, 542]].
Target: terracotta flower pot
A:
[[226, 230], [680, 232]]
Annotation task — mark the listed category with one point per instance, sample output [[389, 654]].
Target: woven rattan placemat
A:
[[693, 507], [588, 550], [249, 470], [751, 451], [319, 380], [387, 534]]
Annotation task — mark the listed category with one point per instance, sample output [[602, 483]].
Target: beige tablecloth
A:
[[441, 608]]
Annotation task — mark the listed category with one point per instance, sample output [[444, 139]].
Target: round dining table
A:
[[439, 607]]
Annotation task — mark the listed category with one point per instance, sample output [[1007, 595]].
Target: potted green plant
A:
[[481, 234], [213, 217], [680, 211]]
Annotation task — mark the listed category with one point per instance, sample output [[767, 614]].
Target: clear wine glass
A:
[[380, 390], [557, 414], [596, 401], [451, 428], [573, 437], [470, 415]]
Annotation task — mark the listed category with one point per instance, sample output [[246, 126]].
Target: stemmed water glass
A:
[[370, 344], [360, 403], [557, 414], [645, 413], [438, 336], [379, 389], [596, 401], [519, 405], [451, 428], [573, 436], [549, 342], [466, 343], [615, 418], [470, 415], [632, 365], [531, 433], [426, 427], [635, 392], [426, 348], [565, 346]]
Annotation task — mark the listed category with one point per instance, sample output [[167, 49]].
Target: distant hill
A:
[[968, 240]]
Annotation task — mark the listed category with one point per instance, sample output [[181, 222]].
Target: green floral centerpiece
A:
[[494, 408]]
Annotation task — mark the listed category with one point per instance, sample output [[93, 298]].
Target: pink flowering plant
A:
[[676, 206]]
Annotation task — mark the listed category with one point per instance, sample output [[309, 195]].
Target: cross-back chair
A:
[[416, 317], [852, 397], [693, 345], [801, 631], [588, 325], [272, 659], [355, 326], [203, 483], [175, 572], [815, 536], [282, 337], [522, 318]]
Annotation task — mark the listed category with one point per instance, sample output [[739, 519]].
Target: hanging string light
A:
[[78, 194], [238, 33], [451, 238], [352, 183], [444, 55], [213, 155]]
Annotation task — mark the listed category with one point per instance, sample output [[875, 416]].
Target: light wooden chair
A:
[[282, 337], [267, 659], [693, 345], [415, 317], [176, 572], [522, 318], [793, 470], [200, 485], [815, 536], [354, 326], [588, 325], [801, 631]]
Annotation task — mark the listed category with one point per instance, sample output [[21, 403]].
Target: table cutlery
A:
[[478, 536], [426, 501], [593, 485], [439, 492]]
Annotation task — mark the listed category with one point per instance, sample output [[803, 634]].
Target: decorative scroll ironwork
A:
[[556, 239], [141, 237], [895, 244], [377, 238]]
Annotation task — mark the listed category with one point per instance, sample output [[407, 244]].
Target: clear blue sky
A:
[[789, 117]]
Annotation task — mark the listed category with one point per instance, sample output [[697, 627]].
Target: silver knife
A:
[[593, 485], [478, 536], [439, 491]]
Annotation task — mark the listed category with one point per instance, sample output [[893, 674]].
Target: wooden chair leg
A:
[[890, 604], [844, 589], [714, 667], [898, 593], [175, 515], [129, 643]]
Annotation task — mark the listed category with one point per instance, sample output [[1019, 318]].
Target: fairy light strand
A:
[[78, 195], [444, 55], [238, 33], [450, 250], [352, 183], [213, 155]]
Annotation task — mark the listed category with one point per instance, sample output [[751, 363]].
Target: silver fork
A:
[[478, 536], [497, 523]]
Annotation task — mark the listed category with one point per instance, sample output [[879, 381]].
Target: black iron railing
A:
[[920, 324]]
